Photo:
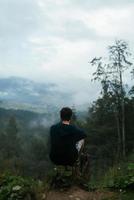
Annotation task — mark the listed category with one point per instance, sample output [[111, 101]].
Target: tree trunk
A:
[[123, 118], [123, 130], [117, 117]]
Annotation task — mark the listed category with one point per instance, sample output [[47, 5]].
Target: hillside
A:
[[27, 120], [21, 93]]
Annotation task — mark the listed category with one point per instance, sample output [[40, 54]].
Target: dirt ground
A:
[[76, 193]]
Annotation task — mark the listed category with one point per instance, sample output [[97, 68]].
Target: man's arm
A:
[[80, 145], [80, 134]]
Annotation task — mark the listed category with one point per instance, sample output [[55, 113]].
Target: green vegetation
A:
[[110, 125], [16, 187], [119, 177], [23, 143]]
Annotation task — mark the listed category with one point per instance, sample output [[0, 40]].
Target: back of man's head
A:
[[66, 114]]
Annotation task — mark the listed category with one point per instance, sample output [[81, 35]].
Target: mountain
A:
[[21, 93]]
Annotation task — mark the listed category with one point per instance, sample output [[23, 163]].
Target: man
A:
[[66, 140]]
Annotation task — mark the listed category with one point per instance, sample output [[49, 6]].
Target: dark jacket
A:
[[63, 139]]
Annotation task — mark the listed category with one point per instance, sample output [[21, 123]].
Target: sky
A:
[[52, 41]]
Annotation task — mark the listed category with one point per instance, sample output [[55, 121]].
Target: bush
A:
[[120, 177], [16, 188]]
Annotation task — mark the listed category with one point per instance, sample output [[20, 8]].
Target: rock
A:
[[16, 188], [70, 196], [43, 196], [77, 198]]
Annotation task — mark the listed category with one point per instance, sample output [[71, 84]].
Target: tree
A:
[[110, 73], [74, 115], [12, 141]]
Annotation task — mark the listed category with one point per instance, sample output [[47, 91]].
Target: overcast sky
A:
[[53, 40]]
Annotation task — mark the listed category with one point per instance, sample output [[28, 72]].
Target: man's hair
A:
[[66, 114]]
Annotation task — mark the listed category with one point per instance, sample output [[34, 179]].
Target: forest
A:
[[109, 124]]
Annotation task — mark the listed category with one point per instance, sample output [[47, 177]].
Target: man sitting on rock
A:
[[66, 140]]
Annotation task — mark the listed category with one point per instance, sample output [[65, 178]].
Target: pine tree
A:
[[110, 74]]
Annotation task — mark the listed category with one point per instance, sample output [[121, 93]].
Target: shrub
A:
[[16, 188], [120, 177]]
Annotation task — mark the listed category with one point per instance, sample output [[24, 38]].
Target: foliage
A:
[[16, 187], [110, 119], [110, 74], [121, 177], [24, 143]]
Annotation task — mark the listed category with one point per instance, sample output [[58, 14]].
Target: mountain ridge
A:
[[22, 93]]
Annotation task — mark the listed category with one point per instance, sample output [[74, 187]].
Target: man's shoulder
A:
[[79, 130], [55, 126], [74, 127]]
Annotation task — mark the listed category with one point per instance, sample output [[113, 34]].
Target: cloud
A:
[[106, 23], [53, 40], [17, 18]]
